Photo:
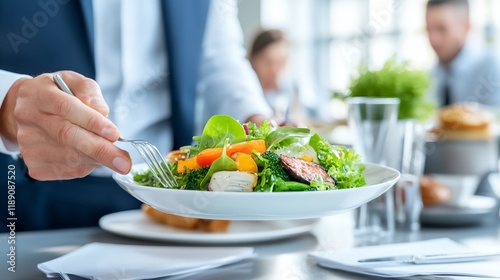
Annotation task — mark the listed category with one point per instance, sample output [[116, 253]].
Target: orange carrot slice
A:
[[247, 147], [187, 164], [208, 156]]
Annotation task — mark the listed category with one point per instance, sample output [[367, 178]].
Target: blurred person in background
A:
[[466, 71], [269, 56], [137, 70]]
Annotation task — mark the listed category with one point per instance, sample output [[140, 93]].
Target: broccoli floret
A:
[[272, 162], [271, 171], [195, 177]]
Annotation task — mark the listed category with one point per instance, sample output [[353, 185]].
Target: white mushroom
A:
[[232, 181]]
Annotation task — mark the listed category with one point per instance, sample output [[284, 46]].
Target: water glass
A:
[[372, 120], [407, 155]]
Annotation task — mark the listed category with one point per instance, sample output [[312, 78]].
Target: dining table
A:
[[279, 259]]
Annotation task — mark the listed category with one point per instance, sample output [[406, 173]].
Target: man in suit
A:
[[138, 69], [465, 72]]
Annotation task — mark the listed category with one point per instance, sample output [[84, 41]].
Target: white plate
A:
[[260, 205], [135, 224], [480, 208]]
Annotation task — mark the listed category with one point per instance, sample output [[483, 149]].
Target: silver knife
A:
[[436, 258]]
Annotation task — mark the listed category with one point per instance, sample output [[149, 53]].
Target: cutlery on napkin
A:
[[436, 258], [348, 260], [113, 261]]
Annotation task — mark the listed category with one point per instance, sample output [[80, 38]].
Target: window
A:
[[333, 37]]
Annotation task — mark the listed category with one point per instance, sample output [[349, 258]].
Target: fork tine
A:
[[149, 161], [153, 164], [154, 160], [162, 165]]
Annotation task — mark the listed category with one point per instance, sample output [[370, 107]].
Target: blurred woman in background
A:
[[269, 56]]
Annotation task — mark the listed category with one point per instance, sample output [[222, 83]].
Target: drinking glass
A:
[[372, 120], [407, 155]]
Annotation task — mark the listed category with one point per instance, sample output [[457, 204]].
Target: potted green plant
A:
[[394, 80], [398, 80]]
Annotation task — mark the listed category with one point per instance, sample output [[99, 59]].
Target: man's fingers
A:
[[59, 172], [55, 152], [87, 90], [70, 108], [95, 147]]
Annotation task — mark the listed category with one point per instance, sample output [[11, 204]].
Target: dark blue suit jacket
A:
[[39, 36]]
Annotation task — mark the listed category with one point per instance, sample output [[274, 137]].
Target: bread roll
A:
[[464, 121], [185, 222], [433, 192]]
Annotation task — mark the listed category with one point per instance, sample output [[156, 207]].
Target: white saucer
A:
[[135, 224], [480, 207]]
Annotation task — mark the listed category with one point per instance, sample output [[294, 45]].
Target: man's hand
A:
[[61, 136]]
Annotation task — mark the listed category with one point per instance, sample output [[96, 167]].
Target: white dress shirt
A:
[[473, 76], [132, 70]]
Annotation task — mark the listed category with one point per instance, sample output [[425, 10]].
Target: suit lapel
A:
[[88, 16], [184, 23], [184, 28]]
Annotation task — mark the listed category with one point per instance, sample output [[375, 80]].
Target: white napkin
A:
[[348, 260], [112, 261]]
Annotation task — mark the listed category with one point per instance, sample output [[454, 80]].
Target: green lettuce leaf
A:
[[285, 136], [259, 132], [341, 163], [223, 163], [218, 129]]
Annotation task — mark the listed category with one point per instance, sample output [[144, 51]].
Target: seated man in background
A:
[[136, 68], [465, 72]]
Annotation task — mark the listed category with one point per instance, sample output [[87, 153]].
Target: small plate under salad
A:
[[249, 172], [135, 224]]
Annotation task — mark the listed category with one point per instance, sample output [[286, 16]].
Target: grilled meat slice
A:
[[304, 171]]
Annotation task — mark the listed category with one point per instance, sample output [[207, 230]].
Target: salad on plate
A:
[[234, 157]]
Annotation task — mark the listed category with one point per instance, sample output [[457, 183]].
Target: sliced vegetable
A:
[[246, 163], [186, 165], [208, 156], [248, 147], [232, 181]]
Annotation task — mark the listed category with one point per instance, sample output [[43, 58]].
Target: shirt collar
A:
[[463, 60]]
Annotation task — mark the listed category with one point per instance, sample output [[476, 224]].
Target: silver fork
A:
[[148, 151]]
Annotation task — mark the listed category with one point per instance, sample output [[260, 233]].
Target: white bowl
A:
[[260, 206], [462, 157], [462, 187]]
